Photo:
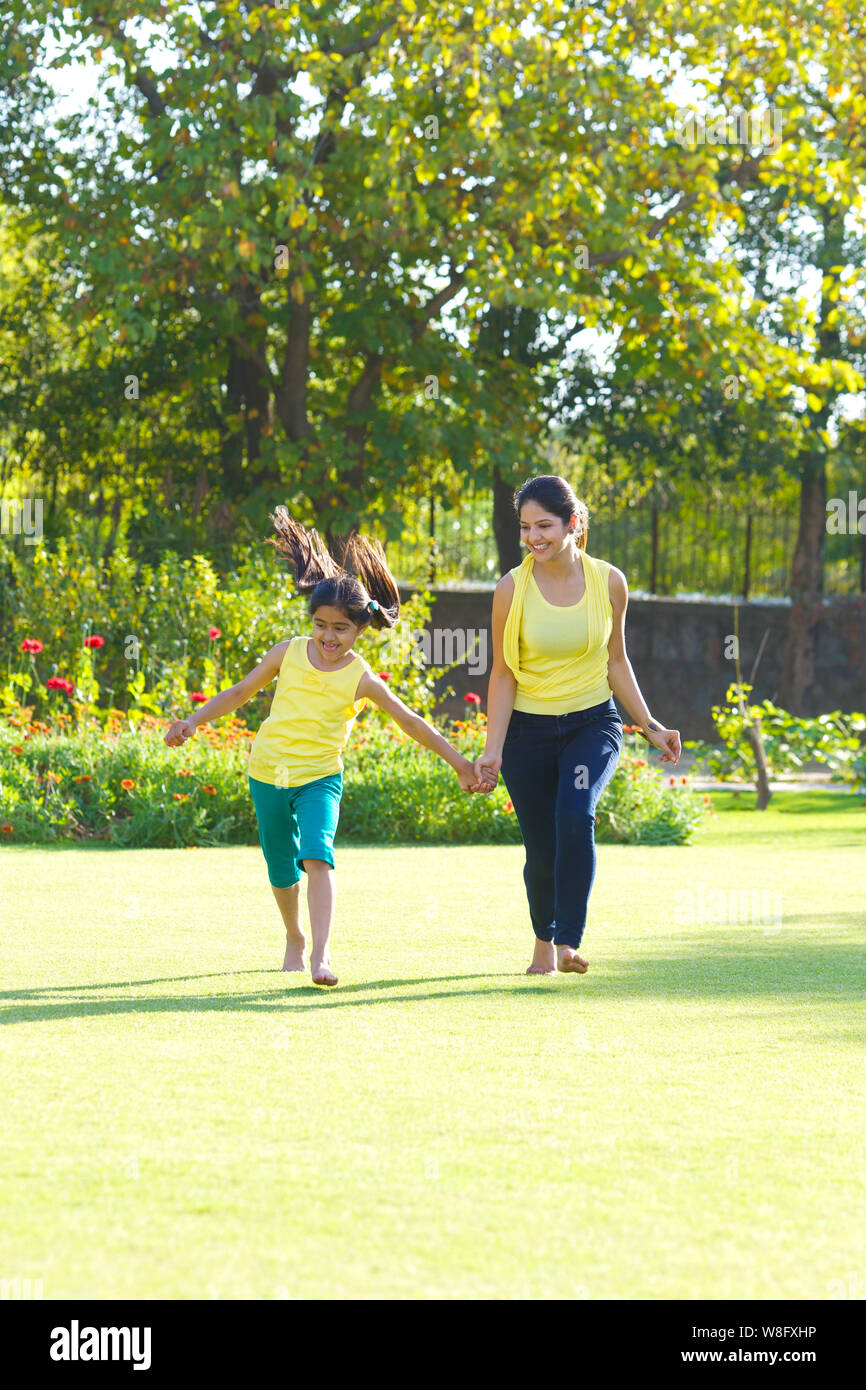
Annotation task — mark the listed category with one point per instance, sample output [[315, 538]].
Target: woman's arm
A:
[[501, 688], [372, 688], [622, 681], [229, 699]]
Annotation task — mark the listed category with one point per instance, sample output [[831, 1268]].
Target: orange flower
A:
[[210, 790], [127, 784], [181, 796], [83, 778], [509, 805], [7, 829], [16, 748], [51, 776], [186, 772]]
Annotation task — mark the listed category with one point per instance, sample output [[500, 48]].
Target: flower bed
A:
[[84, 779]]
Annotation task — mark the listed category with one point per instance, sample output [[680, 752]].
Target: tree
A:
[[301, 196]]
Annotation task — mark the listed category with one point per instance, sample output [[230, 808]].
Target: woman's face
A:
[[544, 534], [333, 633]]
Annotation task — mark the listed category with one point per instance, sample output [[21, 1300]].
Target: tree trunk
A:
[[506, 531], [807, 587], [247, 396], [762, 779]]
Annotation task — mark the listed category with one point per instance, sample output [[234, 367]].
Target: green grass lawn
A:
[[183, 1121]]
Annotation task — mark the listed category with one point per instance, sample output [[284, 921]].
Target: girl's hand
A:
[[466, 776], [668, 740], [179, 732], [487, 771]]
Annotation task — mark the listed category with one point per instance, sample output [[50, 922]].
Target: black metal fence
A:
[[713, 548]]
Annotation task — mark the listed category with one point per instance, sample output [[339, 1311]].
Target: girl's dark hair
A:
[[557, 496], [362, 574]]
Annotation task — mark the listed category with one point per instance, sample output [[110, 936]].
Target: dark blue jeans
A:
[[555, 767]]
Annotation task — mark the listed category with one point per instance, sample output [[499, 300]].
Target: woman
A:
[[553, 728]]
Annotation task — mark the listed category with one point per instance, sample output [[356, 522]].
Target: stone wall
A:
[[677, 647]]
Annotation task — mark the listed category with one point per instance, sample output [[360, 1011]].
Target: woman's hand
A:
[[487, 771], [668, 740], [179, 732]]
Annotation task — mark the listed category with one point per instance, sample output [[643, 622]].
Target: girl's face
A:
[[544, 534], [333, 633]]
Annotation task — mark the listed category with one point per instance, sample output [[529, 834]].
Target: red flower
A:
[[509, 805], [472, 699], [384, 675], [59, 683], [672, 781], [181, 796], [213, 633], [94, 641], [83, 778], [683, 780], [197, 697], [127, 784], [7, 829], [16, 748], [32, 644], [210, 790]]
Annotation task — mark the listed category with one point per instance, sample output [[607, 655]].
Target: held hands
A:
[[179, 732], [487, 771], [471, 781]]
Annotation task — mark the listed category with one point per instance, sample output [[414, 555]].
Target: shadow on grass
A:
[[728, 964]]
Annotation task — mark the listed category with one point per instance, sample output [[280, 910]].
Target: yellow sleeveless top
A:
[[559, 655], [311, 715]]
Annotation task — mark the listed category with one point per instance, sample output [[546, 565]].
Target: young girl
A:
[[296, 768]]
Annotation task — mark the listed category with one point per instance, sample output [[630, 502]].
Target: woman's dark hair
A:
[[361, 577], [557, 496]]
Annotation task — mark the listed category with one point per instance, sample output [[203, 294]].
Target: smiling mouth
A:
[[542, 545]]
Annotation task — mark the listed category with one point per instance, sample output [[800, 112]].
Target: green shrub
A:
[[789, 742], [155, 625], [118, 781]]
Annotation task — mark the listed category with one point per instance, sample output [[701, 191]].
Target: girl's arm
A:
[[622, 681], [229, 699], [411, 723], [501, 688]]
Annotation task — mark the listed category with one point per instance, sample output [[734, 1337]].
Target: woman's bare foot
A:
[[543, 959], [568, 960], [322, 973], [295, 949]]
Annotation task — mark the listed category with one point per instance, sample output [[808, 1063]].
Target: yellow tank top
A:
[[311, 715], [559, 655]]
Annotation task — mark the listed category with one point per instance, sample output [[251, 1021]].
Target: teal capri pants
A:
[[296, 823]]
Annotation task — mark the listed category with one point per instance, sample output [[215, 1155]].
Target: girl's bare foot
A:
[[543, 959], [294, 959], [568, 960], [322, 973]]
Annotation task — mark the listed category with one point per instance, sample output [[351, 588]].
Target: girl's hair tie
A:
[[373, 606]]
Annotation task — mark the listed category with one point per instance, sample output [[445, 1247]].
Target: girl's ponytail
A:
[[366, 558], [361, 583], [305, 551]]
